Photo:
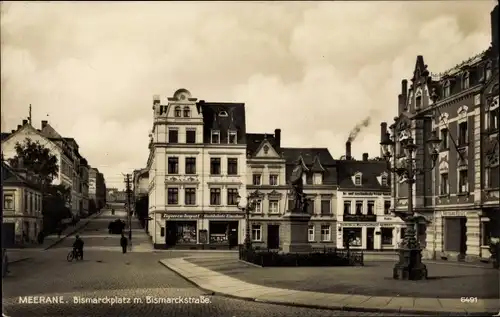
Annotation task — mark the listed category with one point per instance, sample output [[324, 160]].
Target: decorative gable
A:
[[357, 179], [265, 149]]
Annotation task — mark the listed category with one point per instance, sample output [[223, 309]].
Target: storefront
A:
[[223, 230]]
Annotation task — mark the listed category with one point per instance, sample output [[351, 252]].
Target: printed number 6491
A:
[[470, 300]]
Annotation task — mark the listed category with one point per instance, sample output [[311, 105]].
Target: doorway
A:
[[463, 236], [273, 236], [370, 232], [233, 234], [171, 234]]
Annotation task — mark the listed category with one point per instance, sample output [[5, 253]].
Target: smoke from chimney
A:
[[357, 128]]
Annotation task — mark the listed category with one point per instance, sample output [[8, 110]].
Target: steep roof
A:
[[254, 140], [370, 171], [4, 136], [223, 116], [11, 178], [311, 157]]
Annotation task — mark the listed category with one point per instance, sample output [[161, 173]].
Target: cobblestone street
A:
[[113, 274]]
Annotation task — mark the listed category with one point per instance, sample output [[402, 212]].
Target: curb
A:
[[70, 233], [19, 260], [334, 308]]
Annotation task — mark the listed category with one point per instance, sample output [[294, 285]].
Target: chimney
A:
[[12, 131], [44, 123], [25, 122], [365, 157], [277, 137], [348, 150], [494, 29], [404, 89], [156, 99], [19, 126]]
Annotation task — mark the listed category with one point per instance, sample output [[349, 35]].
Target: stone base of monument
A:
[[294, 232]]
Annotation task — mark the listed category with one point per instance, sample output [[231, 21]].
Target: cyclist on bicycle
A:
[[78, 246]]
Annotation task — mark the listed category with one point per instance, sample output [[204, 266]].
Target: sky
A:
[[313, 69]]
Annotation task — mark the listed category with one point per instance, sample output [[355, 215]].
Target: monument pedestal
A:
[[294, 232]]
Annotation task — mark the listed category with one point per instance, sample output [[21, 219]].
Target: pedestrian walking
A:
[[124, 243]]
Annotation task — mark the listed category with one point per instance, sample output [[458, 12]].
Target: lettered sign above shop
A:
[[180, 216], [224, 216]]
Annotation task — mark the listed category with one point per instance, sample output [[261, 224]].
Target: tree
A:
[[36, 158]]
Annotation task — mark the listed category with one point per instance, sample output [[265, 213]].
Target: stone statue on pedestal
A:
[[296, 182]]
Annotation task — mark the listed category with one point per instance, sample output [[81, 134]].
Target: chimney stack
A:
[[277, 137], [383, 131], [348, 150], [156, 99], [44, 123], [365, 157], [25, 122], [12, 131], [19, 126]]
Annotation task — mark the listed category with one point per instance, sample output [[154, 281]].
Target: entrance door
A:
[[233, 234], [370, 232], [171, 234], [273, 236], [463, 236]]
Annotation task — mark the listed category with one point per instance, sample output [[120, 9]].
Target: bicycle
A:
[[74, 254]]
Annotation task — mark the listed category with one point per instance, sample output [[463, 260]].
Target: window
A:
[[8, 201], [463, 181], [273, 180], [187, 112], [325, 233], [465, 81], [190, 196], [357, 180], [352, 237], [173, 165], [383, 180], [493, 119], [446, 89], [215, 137], [310, 206], [326, 207], [418, 102], [492, 179], [444, 185], [173, 136], [274, 207], [462, 134], [215, 196], [190, 136], [215, 166], [347, 207], [387, 207], [371, 207], [310, 234], [488, 71], [309, 179], [232, 196], [231, 137], [318, 179], [232, 166], [25, 201], [173, 196], [386, 234], [256, 179], [258, 206], [256, 233], [190, 165], [444, 139], [359, 207], [291, 204], [177, 112], [32, 203]]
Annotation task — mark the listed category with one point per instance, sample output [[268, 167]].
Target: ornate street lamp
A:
[[410, 266], [246, 206]]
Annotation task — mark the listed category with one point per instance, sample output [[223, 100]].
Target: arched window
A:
[[488, 71], [177, 111], [446, 89], [187, 112]]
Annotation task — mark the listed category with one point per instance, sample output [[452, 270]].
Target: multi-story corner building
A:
[[197, 167], [97, 190], [21, 207], [460, 196], [364, 219]]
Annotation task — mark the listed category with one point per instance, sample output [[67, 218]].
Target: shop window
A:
[[352, 237], [256, 233], [215, 196], [186, 232], [219, 232], [347, 207], [386, 234], [326, 233], [310, 233]]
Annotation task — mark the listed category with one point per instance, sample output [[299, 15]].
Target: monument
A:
[[293, 231]]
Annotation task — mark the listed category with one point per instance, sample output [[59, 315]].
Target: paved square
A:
[[374, 279]]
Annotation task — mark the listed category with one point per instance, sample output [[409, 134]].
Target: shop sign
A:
[[359, 225], [224, 216], [180, 216], [360, 218], [453, 213]]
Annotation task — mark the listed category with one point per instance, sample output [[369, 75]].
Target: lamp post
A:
[[410, 266], [246, 206]]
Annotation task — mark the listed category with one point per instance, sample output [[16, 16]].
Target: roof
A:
[[213, 120], [459, 67], [370, 170], [12, 178], [4, 136], [254, 140], [312, 158]]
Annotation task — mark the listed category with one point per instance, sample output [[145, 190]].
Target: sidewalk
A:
[[221, 284]]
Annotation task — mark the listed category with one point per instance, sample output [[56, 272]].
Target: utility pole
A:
[[129, 213]]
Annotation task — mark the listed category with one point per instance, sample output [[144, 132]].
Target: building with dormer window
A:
[[196, 168], [364, 219]]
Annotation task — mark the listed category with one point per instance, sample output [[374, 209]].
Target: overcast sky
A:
[[313, 69]]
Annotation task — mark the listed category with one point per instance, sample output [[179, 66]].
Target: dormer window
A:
[[223, 113], [318, 179], [446, 89], [186, 112], [383, 180], [418, 102], [465, 81], [358, 179], [232, 137], [215, 137], [177, 112], [488, 71]]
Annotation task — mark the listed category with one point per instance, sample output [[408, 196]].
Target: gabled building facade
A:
[[197, 168], [460, 196], [97, 190]]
